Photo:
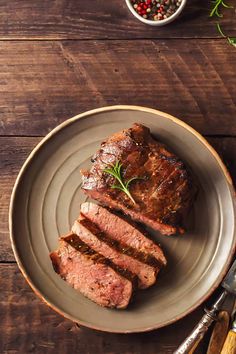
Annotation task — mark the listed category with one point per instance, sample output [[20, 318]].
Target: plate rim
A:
[[53, 132]]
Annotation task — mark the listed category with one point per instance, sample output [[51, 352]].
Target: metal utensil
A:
[[191, 342]]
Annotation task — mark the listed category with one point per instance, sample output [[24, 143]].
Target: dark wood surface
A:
[[30, 327], [48, 81], [61, 57], [99, 19]]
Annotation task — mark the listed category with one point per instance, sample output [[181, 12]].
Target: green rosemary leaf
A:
[[115, 186], [220, 30], [116, 171], [110, 171], [119, 168], [216, 8], [231, 40], [130, 180], [226, 5]]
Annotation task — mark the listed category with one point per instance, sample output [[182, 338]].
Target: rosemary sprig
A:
[[216, 8], [231, 40], [220, 30], [116, 171]]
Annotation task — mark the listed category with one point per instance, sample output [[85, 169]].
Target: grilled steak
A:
[[162, 195], [125, 257], [93, 275], [122, 231]]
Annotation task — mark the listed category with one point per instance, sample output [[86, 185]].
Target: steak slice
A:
[[162, 195], [92, 274], [121, 255], [122, 231]]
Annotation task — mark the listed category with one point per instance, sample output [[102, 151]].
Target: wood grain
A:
[[184, 69], [43, 83], [13, 152], [79, 19], [230, 344], [219, 333], [29, 326]]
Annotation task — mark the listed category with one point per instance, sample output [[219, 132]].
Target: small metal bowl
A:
[[157, 23]]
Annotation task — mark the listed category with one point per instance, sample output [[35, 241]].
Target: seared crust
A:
[[76, 242], [119, 245], [120, 230], [163, 195], [144, 266]]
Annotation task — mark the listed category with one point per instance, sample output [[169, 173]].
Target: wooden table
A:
[[62, 57]]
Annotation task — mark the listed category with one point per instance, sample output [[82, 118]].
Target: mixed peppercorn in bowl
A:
[[156, 12]]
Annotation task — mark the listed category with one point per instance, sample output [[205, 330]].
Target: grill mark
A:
[[119, 246], [162, 179], [163, 160], [165, 178], [166, 217], [129, 221], [160, 165], [178, 188], [177, 168], [75, 241]]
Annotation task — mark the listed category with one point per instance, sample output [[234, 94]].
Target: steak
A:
[[121, 255], [92, 274], [122, 231], [162, 195]]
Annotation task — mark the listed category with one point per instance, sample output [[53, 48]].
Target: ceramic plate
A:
[[47, 197]]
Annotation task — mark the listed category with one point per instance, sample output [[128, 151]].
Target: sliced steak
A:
[[121, 255], [162, 195], [122, 231], [92, 274]]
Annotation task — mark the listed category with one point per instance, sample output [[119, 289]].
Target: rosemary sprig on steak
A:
[[167, 190], [116, 171]]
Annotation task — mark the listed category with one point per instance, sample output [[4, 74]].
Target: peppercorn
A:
[[156, 10]]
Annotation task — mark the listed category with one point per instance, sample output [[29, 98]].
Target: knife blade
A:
[[191, 342]]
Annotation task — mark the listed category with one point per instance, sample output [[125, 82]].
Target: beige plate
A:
[[46, 200]]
